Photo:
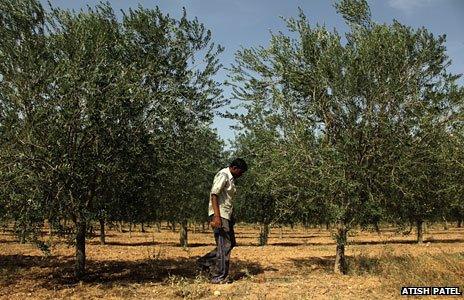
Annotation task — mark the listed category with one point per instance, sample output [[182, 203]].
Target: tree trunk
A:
[[23, 234], [306, 225], [50, 233], [79, 268], [173, 226], [377, 228], [183, 233], [327, 225], [90, 230], [102, 231], [420, 233], [459, 223], [445, 224], [121, 229], [263, 234], [50, 228], [281, 232], [158, 226], [130, 229], [65, 225], [142, 228], [340, 266]]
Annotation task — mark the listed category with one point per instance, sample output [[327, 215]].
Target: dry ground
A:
[[297, 264]]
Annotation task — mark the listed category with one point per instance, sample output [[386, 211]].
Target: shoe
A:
[[226, 280]]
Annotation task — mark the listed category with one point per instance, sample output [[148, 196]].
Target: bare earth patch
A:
[[297, 264]]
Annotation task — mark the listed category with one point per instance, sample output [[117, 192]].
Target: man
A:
[[221, 217]]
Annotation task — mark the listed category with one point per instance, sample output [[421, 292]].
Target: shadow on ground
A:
[[303, 242], [324, 263], [148, 243], [56, 272], [384, 242], [355, 264], [403, 266]]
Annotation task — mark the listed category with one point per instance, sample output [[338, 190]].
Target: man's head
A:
[[237, 167]]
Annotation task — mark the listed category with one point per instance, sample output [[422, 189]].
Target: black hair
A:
[[239, 163]]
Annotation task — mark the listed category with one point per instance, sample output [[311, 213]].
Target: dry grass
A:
[[297, 265]]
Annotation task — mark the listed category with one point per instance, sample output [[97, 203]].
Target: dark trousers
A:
[[218, 260]]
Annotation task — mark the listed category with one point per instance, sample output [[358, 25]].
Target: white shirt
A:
[[224, 188]]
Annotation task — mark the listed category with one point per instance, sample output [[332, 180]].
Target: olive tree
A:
[[348, 111], [89, 103]]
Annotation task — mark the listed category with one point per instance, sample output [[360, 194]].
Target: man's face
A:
[[236, 172]]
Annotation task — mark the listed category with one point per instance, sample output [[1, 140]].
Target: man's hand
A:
[[216, 222]]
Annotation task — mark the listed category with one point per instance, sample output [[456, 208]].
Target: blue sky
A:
[[247, 23]]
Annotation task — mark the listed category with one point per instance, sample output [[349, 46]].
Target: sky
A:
[[248, 23]]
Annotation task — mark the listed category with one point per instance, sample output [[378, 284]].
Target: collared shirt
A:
[[224, 188]]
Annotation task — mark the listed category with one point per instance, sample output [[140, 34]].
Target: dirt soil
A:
[[296, 264]]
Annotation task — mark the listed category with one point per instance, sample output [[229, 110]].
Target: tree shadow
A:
[[9, 241], [148, 243], [444, 240], [242, 269], [283, 244], [411, 241], [133, 244], [303, 243], [97, 235], [55, 272], [303, 236], [193, 245], [246, 236], [384, 242], [25, 262], [324, 263]]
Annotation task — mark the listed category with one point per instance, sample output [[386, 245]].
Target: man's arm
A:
[[216, 222], [219, 182]]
